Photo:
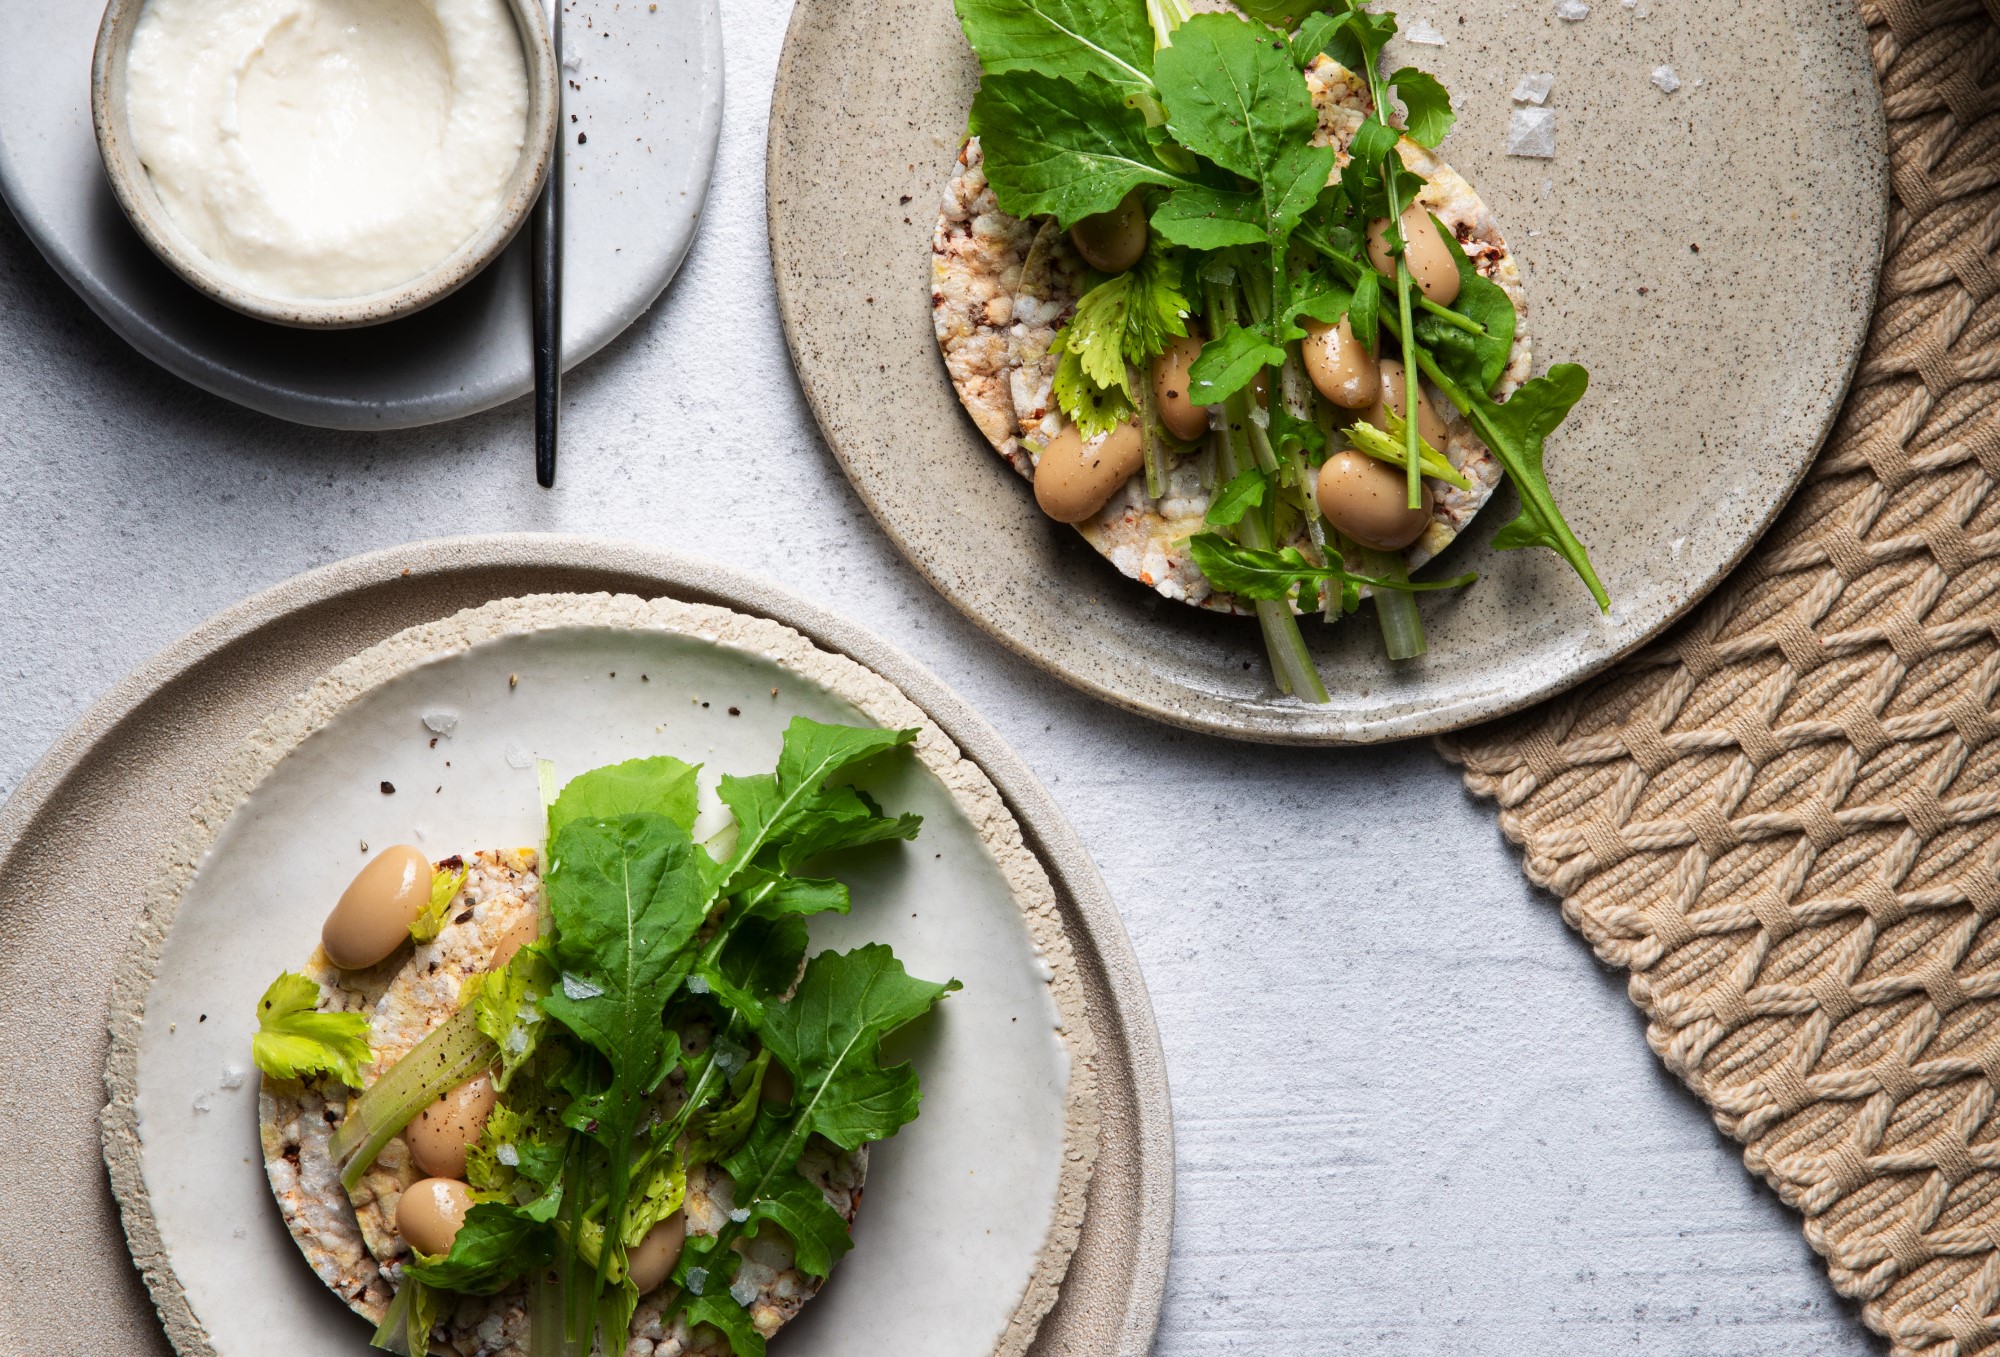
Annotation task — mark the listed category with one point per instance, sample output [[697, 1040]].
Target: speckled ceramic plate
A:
[[1710, 255], [645, 87], [153, 776]]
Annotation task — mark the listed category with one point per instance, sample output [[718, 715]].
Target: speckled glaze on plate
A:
[[1710, 255], [91, 822]]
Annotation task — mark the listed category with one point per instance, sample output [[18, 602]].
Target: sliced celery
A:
[[452, 1053]]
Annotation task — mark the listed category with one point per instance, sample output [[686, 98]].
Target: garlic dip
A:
[[327, 148]]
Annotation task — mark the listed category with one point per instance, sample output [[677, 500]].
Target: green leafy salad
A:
[[662, 1024], [1243, 272]]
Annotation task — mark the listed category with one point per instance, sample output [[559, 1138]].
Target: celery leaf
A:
[[294, 1039]]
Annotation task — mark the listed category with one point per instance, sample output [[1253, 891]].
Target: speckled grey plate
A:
[[1710, 255], [92, 823]]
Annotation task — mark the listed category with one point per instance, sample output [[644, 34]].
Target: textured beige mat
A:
[[1785, 821]]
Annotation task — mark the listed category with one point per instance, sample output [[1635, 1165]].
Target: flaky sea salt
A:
[[1531, 132], [441, 722], [1665, 79], [232, 1076], [201, 1103], [740, 1214], [1572, 11], [518, 757], [1533, 88], [698, 984], [697, 1278], [508, 1155], [579, 989], [744, 1290], [1423, 33]]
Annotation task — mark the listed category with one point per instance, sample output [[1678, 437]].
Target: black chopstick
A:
[[546, 244]]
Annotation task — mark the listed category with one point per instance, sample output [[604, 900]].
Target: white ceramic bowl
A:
[[133, 186]]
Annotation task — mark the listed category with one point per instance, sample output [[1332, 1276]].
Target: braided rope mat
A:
[[1785, 821]]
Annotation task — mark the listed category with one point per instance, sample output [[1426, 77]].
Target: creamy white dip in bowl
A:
[[326, 163]]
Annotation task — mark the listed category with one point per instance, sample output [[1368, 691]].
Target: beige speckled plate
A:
[[1710, 255], [92, 824]]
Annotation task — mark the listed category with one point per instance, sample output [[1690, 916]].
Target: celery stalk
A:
[[1395, 609], [452, 1053]]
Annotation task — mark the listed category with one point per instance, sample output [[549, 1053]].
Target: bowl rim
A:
[[132, 185]]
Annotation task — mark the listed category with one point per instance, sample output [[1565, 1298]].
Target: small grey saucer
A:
[[645, 89]]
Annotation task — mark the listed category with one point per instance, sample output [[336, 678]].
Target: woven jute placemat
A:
[[1784, 822]]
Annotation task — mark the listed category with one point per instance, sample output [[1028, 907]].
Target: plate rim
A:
[[1096, 929], [1297, 724], [203, 371]]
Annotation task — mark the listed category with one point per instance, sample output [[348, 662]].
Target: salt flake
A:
[[1423, 33], [1531, 132], [201, 1103], [697, 984], [744, 1290], [740, 1214], [518, 757], [1572, 11], [232, 1076], [1534, 89], [579, 989], [697, 1278], [508, 1155], [1664, 78], [441, 722]]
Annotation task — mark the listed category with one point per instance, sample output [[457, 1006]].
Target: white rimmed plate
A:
[[967, 1226]]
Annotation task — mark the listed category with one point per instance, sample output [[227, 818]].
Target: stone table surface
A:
[[1414, 1115]]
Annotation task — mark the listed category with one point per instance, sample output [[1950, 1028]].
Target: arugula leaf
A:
[[1427, 114], [1361, 178], [1209, 219], [445, 887], [1234, 96], [656, 786], [1229, 363], [1315, 31], [626, 896], [1069, 148], [1358, 37], [1515, 431], [717, 1307], [1280, 14], [1475, 361], [1364, 310], [820, 1238], [495, 1247], [792, 811], [294, 1039], [759, 961], [1238, 497], [1108, 39], [829, 1034], [1249, 572]]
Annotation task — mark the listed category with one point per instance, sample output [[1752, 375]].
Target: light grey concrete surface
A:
[[1415, 1117]]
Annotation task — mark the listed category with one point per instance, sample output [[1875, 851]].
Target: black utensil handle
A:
[[546, 290]]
